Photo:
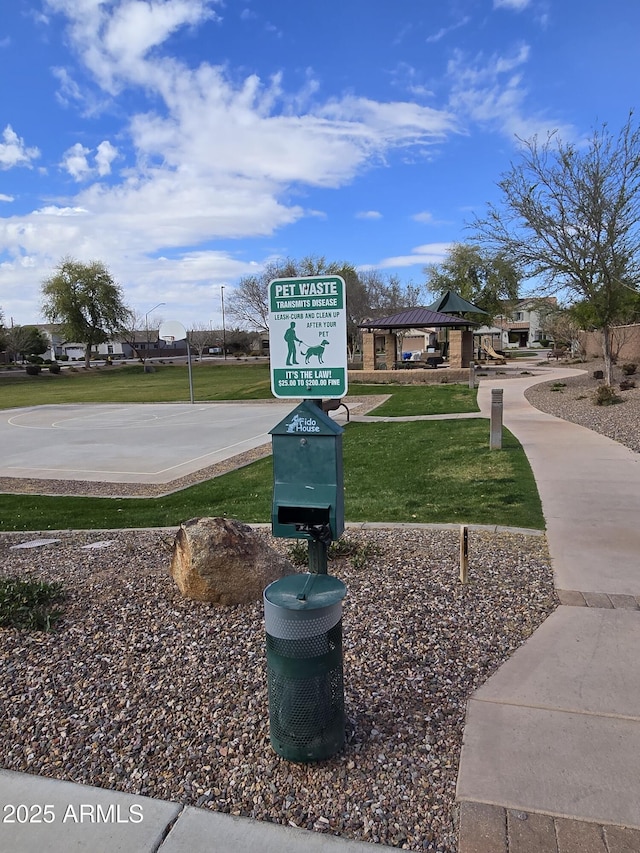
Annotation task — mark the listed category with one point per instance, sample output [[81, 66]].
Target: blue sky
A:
[[185, 143]]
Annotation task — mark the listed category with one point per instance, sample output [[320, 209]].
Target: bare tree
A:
[[248, 305], [570, 217], [368, 294], [201, 337], [139, 335]]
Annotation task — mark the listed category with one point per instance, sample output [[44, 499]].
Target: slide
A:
[[490, 352]]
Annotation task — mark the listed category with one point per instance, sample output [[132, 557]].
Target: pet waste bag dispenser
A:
[[303, 612]]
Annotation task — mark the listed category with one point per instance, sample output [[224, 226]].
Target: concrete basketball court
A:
[[130, 443]]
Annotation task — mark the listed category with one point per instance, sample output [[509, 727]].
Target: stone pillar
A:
[[460, 348], [390, 350], [368, 351]]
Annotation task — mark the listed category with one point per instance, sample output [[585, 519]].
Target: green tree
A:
[[570, 218], [24, 341], [3, 332], [87, 302], [487, 280]]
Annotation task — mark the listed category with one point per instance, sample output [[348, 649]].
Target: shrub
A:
[[606, 396], [629, 368], [627, 384], [63, 358], [54, 368], [28, 604], [33, 369]]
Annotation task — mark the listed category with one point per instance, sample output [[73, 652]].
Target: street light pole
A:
[[146, 320], [224, 331]]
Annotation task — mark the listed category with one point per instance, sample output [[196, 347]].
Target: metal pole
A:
[[189, 366], [495, 440], [146, 322], [318, 557], [464, 553], [224, 331]]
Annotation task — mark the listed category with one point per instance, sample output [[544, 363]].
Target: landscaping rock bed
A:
[[572, 399], [140, 690]]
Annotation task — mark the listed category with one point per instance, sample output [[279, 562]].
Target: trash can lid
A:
[[305, 591]]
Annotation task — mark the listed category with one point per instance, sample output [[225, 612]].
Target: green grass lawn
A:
[[422, 471], [130, 384], [420, 399], [403, 472], [233, 381]]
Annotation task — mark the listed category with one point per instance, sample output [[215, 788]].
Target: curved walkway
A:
[[549, 760]]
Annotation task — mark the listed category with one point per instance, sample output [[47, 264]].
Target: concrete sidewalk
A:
[[549, 759], [48, 816]]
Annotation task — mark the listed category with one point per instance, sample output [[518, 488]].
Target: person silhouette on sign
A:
[[291, 339]]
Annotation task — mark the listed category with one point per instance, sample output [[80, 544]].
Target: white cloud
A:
[[444, 31], [75, 162], [429, 253], [114, 43], [106, 153], [369, 214], [52, 210], [13, 151], [408, 78], [516, 5], [491, 91], [424, 217], [212, 158], [4, 197]]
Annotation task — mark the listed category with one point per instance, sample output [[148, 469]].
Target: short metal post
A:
[[318, 557], [464, 553], [472, 374], [495, 440]]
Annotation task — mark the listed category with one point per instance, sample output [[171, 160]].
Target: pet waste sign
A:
[[308, 337]]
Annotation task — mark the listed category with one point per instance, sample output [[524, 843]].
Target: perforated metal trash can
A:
[[303, 622]]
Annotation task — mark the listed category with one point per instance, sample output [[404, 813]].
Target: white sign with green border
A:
[[308, 337]]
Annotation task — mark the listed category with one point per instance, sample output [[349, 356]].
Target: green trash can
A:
[[303, 623]]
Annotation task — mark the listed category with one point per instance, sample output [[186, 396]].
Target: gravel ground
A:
[[142, 691], [572, 400]]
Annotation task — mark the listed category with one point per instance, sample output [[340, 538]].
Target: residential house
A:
[[525, 324]]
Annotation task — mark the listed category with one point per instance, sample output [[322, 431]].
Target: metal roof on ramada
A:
[[418, 318]]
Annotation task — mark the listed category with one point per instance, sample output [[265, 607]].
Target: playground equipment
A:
[[489, 351]]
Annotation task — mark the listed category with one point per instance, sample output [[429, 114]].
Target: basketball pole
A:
[[189, 366]]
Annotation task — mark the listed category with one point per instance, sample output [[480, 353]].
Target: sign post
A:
[[308, 337]]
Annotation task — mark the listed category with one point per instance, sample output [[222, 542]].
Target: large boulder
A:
[[222, 561]]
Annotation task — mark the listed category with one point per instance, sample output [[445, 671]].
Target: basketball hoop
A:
[[171, 331]]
